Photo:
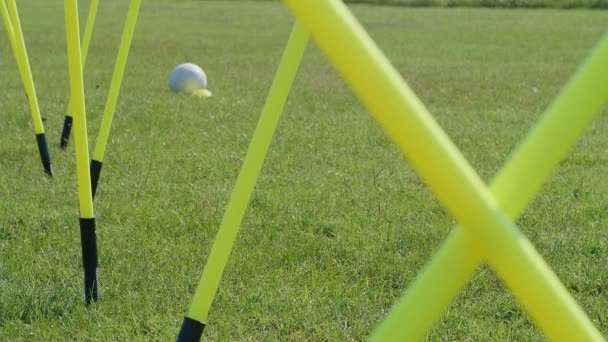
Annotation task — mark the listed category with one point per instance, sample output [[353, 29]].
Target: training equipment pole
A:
[[12, 24], [194, 322], [443, 167], [86, 40], [117, 76], [87, 218], [513, 187]]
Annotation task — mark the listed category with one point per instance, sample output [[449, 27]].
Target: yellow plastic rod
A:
[[77, 96], [86, 41], [13, 28], [112, 99], [436, 159], [117, 76], [12, 24], [88, 30], [88, 239], [514, 187], [246, 180], [10, 32]]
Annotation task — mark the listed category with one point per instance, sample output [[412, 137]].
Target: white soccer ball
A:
[[187, 78]]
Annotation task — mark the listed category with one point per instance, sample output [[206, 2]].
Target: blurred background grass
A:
[[564, 4], [494, 3]]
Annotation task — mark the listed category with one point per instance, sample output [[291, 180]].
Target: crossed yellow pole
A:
[[513, 188], [12, 24], [86, 42], [487, 227], [485, 214]]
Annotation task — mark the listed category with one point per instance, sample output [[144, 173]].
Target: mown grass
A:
[[339, 224], [567, 4]]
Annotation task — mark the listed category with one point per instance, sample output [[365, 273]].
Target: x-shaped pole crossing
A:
[[487, 231], [485, 215]]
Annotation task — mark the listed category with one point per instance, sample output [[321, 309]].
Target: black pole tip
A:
[[65, 133], [95, 172], [88, 242], [191, 331], [45, 156]]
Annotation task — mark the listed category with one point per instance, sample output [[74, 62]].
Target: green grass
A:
[[567, 4], [339, 224]]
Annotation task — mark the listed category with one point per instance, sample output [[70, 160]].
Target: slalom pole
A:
[[194, 322], [513, 187], [444, 169], [117, 76], [86, 41], [12, 24], [87, 218]]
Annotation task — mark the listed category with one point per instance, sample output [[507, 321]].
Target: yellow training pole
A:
[[513, 188], [21, 53], [87, 219], [86, 41], [108, 114], [10, 32], [12, 25], [406, 120], [194, 322], [433, 290]]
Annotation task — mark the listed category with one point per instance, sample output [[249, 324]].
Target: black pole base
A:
[[45, 157], [88, 241], [191, 331], [65, 133], [95, 172]]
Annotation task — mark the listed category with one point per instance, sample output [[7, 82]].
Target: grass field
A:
[[339, 224], [567, 4]]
